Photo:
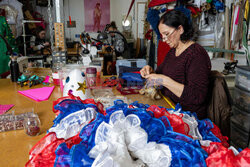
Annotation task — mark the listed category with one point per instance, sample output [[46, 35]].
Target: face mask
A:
[[75, 83]]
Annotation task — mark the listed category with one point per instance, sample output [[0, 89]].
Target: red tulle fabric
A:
[[194, 10], [220, 156], [43, 153], [176, 121], [87, 101], [216, 131], [163, 49], [159, 2]]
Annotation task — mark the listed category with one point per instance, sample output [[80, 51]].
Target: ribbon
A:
[[131, 5]]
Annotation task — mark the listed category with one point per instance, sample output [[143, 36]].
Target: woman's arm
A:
[[160, 79], [33, 44]]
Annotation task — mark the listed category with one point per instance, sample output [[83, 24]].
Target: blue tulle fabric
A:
[[204, 127], [63, 158], [132, 77], [219, 6], [184, 154], [140, 105], [79, 156], [67, 107], [185, 151]]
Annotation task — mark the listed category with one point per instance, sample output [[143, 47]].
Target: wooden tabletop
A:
[[15, 145]]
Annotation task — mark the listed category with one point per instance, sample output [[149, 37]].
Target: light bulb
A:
[[126, 23]]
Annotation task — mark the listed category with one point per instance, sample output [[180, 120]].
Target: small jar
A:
[[32, 125], [56, 68], [91, 76]]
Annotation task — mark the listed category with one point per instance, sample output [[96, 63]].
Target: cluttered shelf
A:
[[16, 144]]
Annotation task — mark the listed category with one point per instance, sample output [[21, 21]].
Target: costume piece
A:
[[44, 152], [17, 6], [191, 68], [73, 123], [57, 110], [222, 156], [133, 135], [163, 49], [159, 2], [75, 83], [113, 139], [6, 33]]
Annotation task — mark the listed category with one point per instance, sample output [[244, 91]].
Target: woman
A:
[[185, 70], [38, 42], [113, 36]]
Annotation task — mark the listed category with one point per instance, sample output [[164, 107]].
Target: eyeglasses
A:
[[167, 36]]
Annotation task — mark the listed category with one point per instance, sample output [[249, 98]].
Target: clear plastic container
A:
[[242, 79], [102, 92], [11, 121], [241, 118], [7, 122], [32, 125], [242, 99], [239, 136], [130, 63]]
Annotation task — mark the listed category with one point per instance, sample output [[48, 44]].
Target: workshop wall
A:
[[75, 9]]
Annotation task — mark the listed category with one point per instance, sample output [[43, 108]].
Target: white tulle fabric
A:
[[192, 123], [72, 124], [123, 143]]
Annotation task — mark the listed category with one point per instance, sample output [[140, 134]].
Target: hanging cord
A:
[[51, 26], [131, 5], [70, 19]]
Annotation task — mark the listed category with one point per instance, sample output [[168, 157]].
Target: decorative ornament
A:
[[82, 87]]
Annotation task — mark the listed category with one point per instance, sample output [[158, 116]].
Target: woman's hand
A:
[[155, 79], [146, 70], [165, 81], [46, 44]]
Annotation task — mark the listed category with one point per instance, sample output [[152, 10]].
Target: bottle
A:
[[91, 76], [14, 69], [57, 66]]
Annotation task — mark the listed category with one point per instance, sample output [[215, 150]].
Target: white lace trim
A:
[[72, 124], [122, 141]]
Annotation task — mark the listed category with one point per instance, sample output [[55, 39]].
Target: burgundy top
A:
[[191, 68]]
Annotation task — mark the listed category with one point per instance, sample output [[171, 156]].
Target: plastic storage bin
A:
[[10, 122], [242, 79], [139, 63], [242, 99], [241, 118], [239, 137]]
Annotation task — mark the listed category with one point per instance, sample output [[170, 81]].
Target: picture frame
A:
[[97, 15]]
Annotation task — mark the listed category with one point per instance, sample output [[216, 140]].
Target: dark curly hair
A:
[[38, 30], [175, 18]]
